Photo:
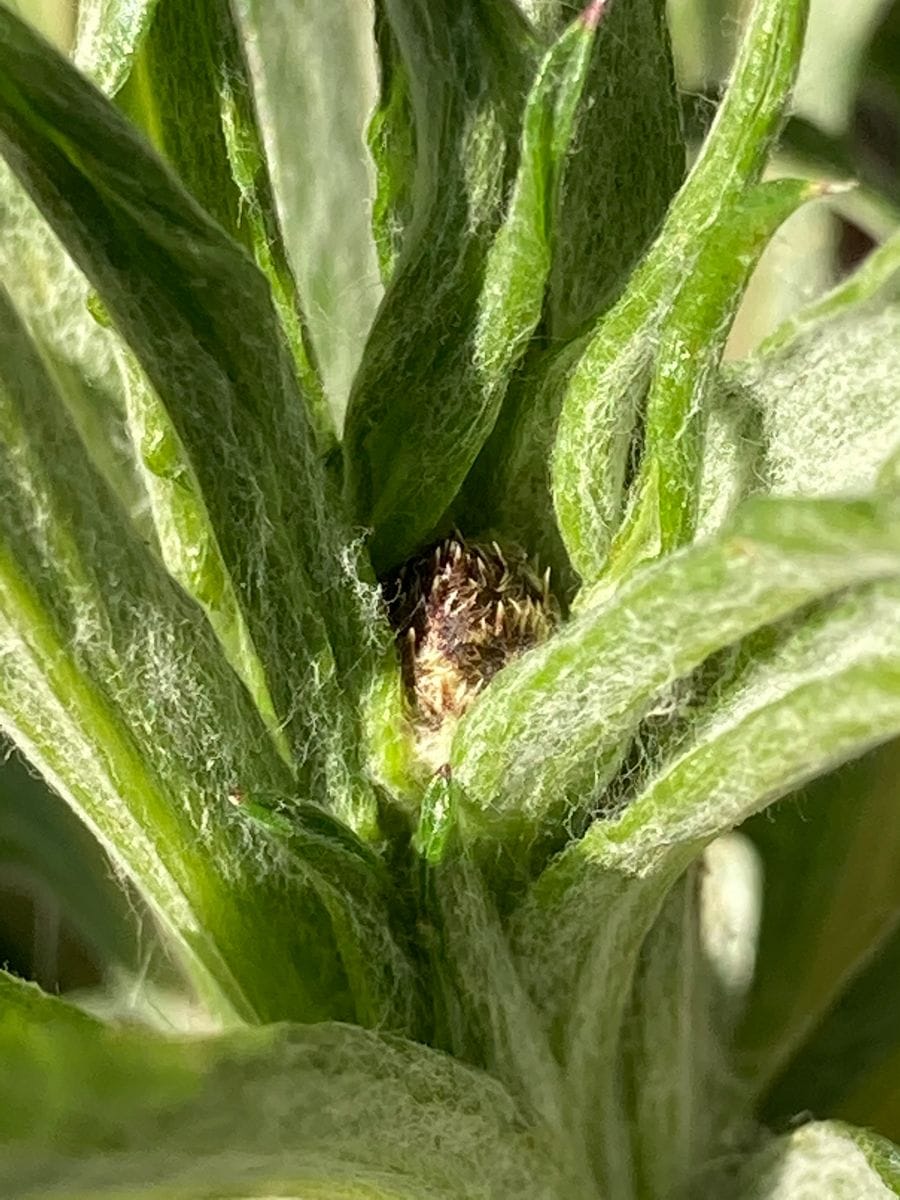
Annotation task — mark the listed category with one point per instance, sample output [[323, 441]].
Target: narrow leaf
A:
[[53, 297], [836, 678], [170, 278], [115, 688], [664, 503], [603, 390], [95, 1111], [391, 140], [879, 275], [626, 161], [189, 90], [676, 1115], [422, 403], [312, 123], [536, 751]]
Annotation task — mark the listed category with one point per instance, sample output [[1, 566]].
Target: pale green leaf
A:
[[675, 1114], [322, 1111], [626, 128], [663, 506], [312, 68], [189, 90], [879, 275], [603, 389], [828, 404], [538, 748], [53, 297], [828, 689], [821, 1159], [107, 37]]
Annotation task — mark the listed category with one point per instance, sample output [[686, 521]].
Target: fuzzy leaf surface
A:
[[626, 161], [189, 89], [52, 296], [602, 386], [91, 1111], [827, 399], [422, 404], [544, 740], [169, 277], [114, 686], [391, 138], [624, 126], [835, 676], [107, 38], [663, 507], [822, 1158]]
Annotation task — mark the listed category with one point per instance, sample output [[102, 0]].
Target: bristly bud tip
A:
[[462, 611]]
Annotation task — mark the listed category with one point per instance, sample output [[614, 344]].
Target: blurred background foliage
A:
[[821, 1019]]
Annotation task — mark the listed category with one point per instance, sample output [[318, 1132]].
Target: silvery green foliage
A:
[[513, 977]]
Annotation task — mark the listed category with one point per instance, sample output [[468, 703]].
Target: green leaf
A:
[[603, 389], [314, 1111], [626, 161], [676, 1115], [828, 689], [312, 71], [391, 137], [170, 280], [624, 126], [823, 1158], [115, 688], [878, 276], [538, 748], [422, 402], [189, 90], [53, 297], [828, 404], [42, 841], [664, 501], [814, 939]]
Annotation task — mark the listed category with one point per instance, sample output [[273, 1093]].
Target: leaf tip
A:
[[592, 14]]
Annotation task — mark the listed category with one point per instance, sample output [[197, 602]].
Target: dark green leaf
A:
[[420, 408]]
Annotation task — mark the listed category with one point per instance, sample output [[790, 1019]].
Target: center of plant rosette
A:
[[461, 611]]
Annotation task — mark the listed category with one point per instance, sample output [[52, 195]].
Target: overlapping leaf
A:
[[314, 1111], [828, 689], [198, 316], [603, 389], [538, 748], [115, 687]]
